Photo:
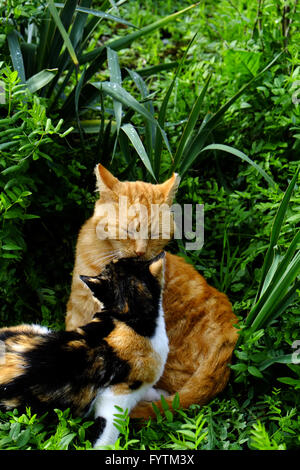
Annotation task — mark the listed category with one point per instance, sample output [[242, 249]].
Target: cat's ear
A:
[[105, 180], [169, 188], [93, 283], [157, 267]]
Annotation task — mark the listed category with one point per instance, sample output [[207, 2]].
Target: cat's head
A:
[[129, 282], [133, 216]]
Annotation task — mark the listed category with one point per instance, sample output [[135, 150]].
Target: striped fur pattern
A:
[[114, 360]]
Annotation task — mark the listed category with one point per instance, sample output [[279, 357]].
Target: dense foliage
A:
[[213, 94]]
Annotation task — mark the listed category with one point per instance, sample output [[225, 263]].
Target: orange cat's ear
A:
[[105, 180], [169, 188], [157, 268]]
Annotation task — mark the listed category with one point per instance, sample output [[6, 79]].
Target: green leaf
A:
[[150, 128], [115, 77], [23, 438], [283, 359], [193, 149], [13, 214], [276, 228], [242, 156], [15, 431], [66, 440], [16, 55], [123, 42], [276, 293], [11, 246], [138, 145], [163, 111], [40, 79], [279, 294], [176, 402], [190, 125], [117, 92], [100, 14], [63, 32], [164, 404], [254, 371]]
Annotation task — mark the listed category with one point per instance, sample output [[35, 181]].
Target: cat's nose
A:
[[141, 247], [140, 252]]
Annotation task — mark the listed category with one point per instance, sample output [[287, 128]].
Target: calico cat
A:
[[113, 360], [199, 319]]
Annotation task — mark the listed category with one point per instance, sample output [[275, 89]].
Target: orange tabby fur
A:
[[199, 319]]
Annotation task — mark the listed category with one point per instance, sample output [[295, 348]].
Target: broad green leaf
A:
[[16, 55], [11, 246], [40, 79], [254, 371]]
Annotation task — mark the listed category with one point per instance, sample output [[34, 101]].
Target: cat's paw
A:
[[154, 394]]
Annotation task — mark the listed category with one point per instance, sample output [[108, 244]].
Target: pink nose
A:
[[140, 253]]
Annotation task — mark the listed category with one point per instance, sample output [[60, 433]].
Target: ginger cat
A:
[[199, 319]]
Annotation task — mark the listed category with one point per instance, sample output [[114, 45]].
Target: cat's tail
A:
[[209, 380]]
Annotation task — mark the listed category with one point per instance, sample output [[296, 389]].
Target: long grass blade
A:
[[275, 297], [115, 77], [190, 125], [100, 14], [277, 224], [242, 156], [57, 42], [125, 41], [192, 151], [278, 268], [163, 111], [138, 145], [63, 32], [150, 128], [98, 56]]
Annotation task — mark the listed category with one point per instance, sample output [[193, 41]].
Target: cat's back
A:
[[189, 300]]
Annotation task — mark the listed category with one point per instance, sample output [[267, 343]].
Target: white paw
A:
[[153, 394]]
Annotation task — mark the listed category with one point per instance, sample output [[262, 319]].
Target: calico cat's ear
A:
[[169, 188], [92, 282], [105, 180], [157, 267]]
